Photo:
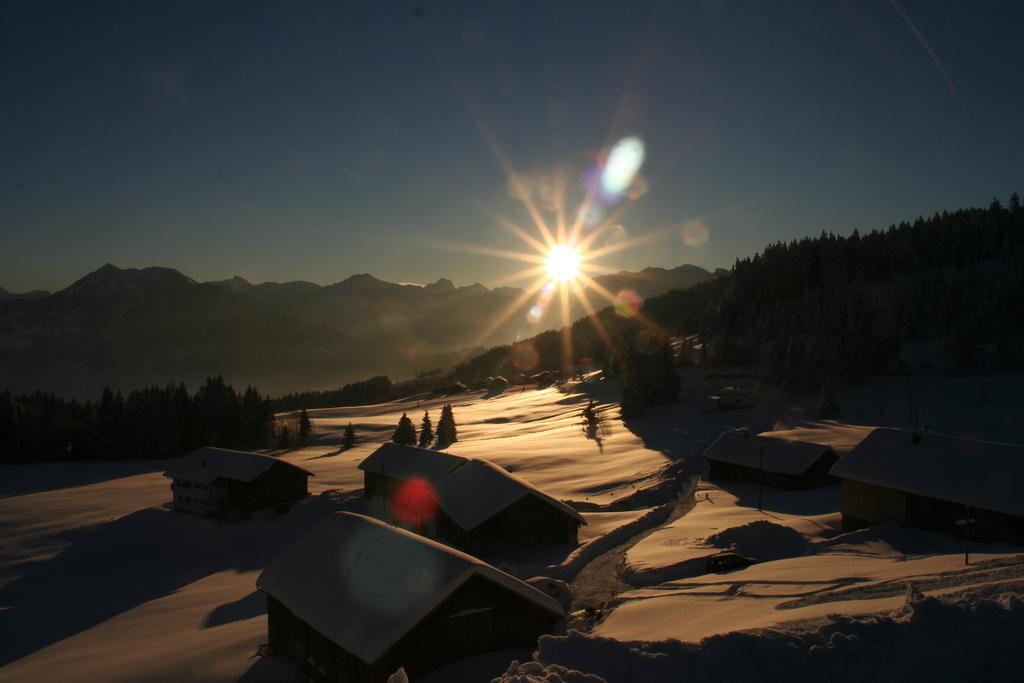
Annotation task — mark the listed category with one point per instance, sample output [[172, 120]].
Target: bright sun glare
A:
[[563, 263]]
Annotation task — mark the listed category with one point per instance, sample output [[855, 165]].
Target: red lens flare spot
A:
[[627, 303], [414, 502], [524, 356]]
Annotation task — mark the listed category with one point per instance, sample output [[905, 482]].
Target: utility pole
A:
[[760, 481], [966, 524]]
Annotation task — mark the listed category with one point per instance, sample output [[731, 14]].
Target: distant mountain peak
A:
[[235, 283], [442, 285]]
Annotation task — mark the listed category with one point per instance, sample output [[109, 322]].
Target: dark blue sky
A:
[[299, 140]]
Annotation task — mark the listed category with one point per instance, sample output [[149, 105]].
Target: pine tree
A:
[[405, 433], [348, 439], [1015, 202], [305, 428], [426, 431], [285, 439], [446, 432], [632, 402], [828, 405]]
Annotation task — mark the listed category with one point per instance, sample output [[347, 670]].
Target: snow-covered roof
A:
[[478, 490], [365, 585], [782, 456], [406, 462], [982, 474], [208, 463]]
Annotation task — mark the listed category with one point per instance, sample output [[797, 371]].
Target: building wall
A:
[[277, 486], [816, 475], [863, 504], [480, 616], [527, 522]]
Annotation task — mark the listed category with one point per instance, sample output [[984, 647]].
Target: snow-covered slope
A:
[[101, 581]]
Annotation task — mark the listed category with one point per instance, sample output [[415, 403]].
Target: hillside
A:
[[99, 575], [129, 327]]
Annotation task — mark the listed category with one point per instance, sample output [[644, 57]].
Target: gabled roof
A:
[[781, 456], [209, 463], [365, 585], [982, 474], [406, 462], [478, 490]]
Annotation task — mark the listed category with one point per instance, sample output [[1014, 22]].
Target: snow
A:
[[101, 581], [478, 490], [208, 464], [982, 474], [782, 456], [365, 584], [407, 462], [967, 637]]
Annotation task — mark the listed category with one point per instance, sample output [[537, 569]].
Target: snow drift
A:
[[970, 637]]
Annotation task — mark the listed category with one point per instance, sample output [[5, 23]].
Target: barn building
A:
[[932, 481], [782, 463], [483, 508], [392, 464], [219, 482], [355, 599]]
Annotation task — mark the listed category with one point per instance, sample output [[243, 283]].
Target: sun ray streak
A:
[[595, 321], [510, 310], [490, 251], [567, 355], [630, 243], [600, 289], [519, 232], [519, 276]]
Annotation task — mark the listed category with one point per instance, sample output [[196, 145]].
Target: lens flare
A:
[[524, 356], [695, 234], [624, 161], [627, 303], [414, 502], [563, 263]]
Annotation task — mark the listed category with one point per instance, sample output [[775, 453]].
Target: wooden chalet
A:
[[483, 507], [355, 599], [392, 464], [218, 482], [782, 463], [934, 481]]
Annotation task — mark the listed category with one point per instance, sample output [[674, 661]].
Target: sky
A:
[[299, 140]]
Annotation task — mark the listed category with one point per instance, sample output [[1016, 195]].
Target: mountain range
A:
[[129, 327]]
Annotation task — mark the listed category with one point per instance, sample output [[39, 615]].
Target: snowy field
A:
[[101, 581]]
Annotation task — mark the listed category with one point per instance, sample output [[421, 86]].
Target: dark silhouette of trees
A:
[[447, 433], [305, 428], [374, 390], [828, 404], [649, 376], [405, 433], [426, 431], [348, 439], [152, 422]]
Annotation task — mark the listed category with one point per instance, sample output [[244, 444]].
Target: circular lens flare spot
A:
[[563, 263], [414, 502], [524, 356], [627, 303], [695, 234]]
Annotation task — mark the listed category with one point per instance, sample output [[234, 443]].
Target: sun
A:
[[563, 263]]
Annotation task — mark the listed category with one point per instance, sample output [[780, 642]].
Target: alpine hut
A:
[[392, 464], [355, 599], [218, 482], [934, 481], [783, 463], [483, 507]]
